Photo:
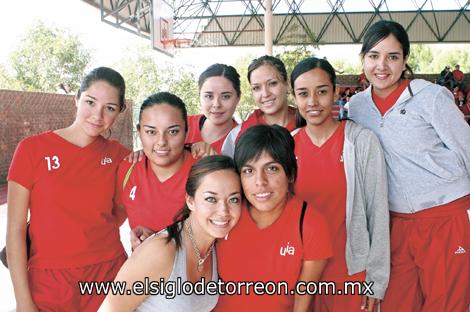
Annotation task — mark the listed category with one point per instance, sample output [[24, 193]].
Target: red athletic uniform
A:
[[421, 261], [194, 132], [458, 75], [271, 254], [325, 191], [257, 118], [148, 201], [71, 205]]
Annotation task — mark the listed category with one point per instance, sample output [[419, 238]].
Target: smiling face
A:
[[268, 89], [383, 65], [218, 100], [97, 108], [216, 206], [265, 185], [162, 132], [314, 97]]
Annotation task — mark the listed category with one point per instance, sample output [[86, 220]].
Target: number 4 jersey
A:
[[71, 199], [147, 200]]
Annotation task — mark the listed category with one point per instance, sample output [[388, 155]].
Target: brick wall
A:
[[23, 114]]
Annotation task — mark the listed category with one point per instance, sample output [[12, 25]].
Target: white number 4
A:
[[132, 192], [52, 162]]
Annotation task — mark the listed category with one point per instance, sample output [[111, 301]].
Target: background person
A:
[[446, 78], [458, 76], [425, 142]]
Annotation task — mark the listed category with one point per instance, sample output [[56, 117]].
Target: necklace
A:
[[200, 260]]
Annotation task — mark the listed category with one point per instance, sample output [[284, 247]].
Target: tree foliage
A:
[[426, 60], [452, 58], [343, 67], [140, 72], [247, 103], [182, 82], [6, 80], [420, 59], [290, 58], [144, 75], [46, 57]]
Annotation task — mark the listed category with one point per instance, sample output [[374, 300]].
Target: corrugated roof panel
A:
[[457, 36], [419, 31], [251, 38]]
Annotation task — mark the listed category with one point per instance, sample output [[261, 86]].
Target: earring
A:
[[226, 236]]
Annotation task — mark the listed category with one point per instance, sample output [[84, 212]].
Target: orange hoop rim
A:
[[176, 43]]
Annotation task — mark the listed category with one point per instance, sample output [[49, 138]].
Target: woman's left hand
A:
[[134, 157], [369, 304], [202, 149]]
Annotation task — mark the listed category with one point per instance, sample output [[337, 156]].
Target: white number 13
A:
[[52, 162]]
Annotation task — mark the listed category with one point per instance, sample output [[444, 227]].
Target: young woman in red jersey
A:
[[278, 239], [152, 190], [64, 178], [426, 147], [186, 250], [270, 88], [219, 94], [342, 175]]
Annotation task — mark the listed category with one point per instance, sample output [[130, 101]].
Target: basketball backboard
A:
[[162, 27]]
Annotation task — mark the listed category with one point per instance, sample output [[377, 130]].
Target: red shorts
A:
[[430, 261], [58, 289]]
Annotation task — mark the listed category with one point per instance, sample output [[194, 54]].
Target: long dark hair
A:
[[198, 171], [221, 70], [307, 65], [165, 98], [268, 60], [108, 75], [381, 30]]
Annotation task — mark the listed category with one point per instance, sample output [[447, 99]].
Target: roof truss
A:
[[211, 23]]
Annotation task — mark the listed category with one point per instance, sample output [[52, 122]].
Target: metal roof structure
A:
[[215, 23]]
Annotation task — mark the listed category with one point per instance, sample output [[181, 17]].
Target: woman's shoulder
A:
[[125, 166], [156, 250], [38, 138]]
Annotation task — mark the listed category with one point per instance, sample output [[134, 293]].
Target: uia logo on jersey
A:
[[106, 161], [288, 250]]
